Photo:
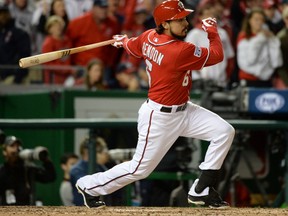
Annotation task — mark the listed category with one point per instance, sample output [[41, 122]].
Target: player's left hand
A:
[[209, 25], [120, 39]]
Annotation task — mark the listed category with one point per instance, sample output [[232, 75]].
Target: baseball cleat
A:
[[90, 201], [212, 200]]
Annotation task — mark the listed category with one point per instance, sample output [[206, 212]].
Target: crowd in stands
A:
[[254, 34]]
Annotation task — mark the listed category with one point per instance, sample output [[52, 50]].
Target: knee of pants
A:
[[142, 172], [229, 131], [225, 132]]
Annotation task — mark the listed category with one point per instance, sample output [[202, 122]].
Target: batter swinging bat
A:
[[50, 56]]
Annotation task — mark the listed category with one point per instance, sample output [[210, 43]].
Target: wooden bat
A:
[[50, 56]]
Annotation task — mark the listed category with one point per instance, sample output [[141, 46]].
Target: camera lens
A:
[[43, 155]]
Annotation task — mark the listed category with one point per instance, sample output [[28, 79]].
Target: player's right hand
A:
[[120, 39], [209, 25]]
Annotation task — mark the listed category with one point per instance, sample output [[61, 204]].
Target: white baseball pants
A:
[[157, 133]]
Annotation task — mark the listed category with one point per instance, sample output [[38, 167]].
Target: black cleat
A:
[[90, 201], [213, 200]]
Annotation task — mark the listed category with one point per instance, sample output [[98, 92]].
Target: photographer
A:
[[19, 173]]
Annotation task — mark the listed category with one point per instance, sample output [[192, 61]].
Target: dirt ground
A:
[[135, 211]]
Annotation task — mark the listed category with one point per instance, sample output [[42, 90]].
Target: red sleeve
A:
[[190, 57], [133, 46], [216, 54]]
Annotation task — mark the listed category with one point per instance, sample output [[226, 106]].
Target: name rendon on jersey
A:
[[152, 53]]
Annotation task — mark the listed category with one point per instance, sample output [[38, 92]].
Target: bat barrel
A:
[[24, 63], [21, 63], [50, 56]]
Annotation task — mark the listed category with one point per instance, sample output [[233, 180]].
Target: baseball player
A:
[[168, 113]]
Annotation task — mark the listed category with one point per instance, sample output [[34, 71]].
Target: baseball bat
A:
[[50, 56]]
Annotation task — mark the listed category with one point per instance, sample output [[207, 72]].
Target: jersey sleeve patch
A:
[[198, 51]]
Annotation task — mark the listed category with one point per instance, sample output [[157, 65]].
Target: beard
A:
[[179, 37], [12, 159]]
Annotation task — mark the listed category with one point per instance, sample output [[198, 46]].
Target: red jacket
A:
[[84, 30], [56, 76]]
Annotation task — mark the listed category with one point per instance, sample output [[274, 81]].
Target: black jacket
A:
[[14, 44], [19, 180]]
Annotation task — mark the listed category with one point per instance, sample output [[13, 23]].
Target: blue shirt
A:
[[79, 170]]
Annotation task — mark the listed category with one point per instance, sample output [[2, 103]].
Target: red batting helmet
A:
[[170, 10]]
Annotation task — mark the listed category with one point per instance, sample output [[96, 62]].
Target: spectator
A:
[[135, 20], [45, 9], [248, 5], [93, 79], [126, 77], [222, 10], [258, 51], [14, 44], [19, 174], [57, 8], [80, 169], [143, 77], [219, 73], [273, 15], [95, 26], [77, 8], [282, 72], [94, 75], [67, 161], [283, 4], [114, 11], [56, 40], [42, 9], [236, 16], [73, 8], [22, 12], [150, 5]]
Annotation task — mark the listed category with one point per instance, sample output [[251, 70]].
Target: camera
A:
[[38, 153], [121, 154]]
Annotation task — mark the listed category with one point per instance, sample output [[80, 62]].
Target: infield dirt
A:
[[134, 211]]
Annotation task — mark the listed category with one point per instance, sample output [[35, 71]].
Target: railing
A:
[[124, 122], [129, 122]]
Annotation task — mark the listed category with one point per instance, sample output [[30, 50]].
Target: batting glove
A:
[[120, 39], [209, 25]]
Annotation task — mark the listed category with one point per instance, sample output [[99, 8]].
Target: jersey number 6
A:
[[186, 78], [148, 70]]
